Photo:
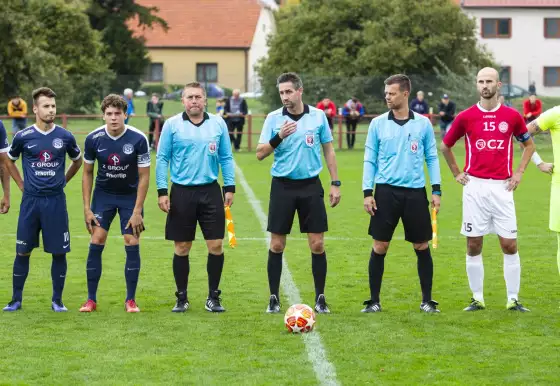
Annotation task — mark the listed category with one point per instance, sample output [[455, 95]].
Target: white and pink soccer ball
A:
[[299, 318]]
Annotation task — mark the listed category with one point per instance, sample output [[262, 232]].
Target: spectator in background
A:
[[419, 105], [220, 103], [17, 110], [329, 108], [154, 110], [532, 88], [446, 114], [532, 108], [504, 102], [130, 105], [235, 110], [353, 110]]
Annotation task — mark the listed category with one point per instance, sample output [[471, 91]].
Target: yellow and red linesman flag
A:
[[434, 228], [230, 228]]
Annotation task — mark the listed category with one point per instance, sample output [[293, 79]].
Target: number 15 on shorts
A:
[[467, 226]]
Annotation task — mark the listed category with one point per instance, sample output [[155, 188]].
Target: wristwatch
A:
[[336, 183]]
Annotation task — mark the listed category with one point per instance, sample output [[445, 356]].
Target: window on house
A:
[[207, 72], [552, 28], [496, 28], [154, 72], [552, 76]]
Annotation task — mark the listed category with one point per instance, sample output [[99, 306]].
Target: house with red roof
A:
[[212, 41]]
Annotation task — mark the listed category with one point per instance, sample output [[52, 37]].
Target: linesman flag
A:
[[230, 228], [434, 228]]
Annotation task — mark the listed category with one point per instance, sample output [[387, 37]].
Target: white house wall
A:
[[527, 52], [265, 26]]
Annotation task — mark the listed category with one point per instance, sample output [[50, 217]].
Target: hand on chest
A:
[[306, 135]]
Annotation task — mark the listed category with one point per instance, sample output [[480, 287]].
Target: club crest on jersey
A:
[[212, 146], [503, 127], [45, 156], [310, 138], [414, 146], [114, 160], [57, 143], [128, 149]]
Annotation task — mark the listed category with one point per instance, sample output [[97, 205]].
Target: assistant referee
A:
[[397, 144], [194, 144], [295, 134]]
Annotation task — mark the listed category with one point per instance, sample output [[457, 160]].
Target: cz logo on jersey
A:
[[310, 139], [212, 147], [492, 144], [114, 160]]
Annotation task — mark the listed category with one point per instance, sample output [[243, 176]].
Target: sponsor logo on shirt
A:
[[310, 139], [414, 146], [503, 127]]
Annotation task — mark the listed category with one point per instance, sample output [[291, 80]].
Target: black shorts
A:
[[304, 196], [410, 205], [189, 204]]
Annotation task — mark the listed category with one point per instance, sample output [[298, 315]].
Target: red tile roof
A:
[[509, 3], [202, 23]]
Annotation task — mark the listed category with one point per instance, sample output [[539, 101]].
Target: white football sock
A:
[[512, 274], [475, 272]]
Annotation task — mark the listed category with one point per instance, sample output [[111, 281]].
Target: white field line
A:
[[324, 370]]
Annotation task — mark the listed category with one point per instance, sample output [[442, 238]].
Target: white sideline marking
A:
[[324, 370]]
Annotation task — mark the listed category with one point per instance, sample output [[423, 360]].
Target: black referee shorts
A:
[[189, 204], [410, 205], [304, 196]]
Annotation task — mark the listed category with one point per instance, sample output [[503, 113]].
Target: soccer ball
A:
[[299, 318]]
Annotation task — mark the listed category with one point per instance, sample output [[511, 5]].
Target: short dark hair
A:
[[155, 94], [290, 77], [402, 80], [195, 85], [42, 91], [114, 100]]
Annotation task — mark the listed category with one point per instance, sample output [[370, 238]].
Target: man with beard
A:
[[43, 148], [194, 145], [489, 182], [398, 144], [295, 134]]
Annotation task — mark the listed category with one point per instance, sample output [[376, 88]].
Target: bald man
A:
[[488, 183], [235, 111]]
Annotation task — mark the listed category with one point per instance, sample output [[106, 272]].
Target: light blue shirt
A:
[[194, 152], [299, 155], [395, 154]]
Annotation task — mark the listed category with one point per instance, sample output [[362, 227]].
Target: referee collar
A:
[[298, 116], [400, 122], [187, 118]]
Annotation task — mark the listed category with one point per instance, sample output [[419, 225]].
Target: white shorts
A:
[[488, 208]]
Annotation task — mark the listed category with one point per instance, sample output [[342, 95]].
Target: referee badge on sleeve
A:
[[310, 138]]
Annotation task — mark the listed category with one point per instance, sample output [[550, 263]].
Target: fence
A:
[[69, 121]]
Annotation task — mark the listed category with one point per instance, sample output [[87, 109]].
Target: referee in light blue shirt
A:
[[397, 145], [295, 134], [194, 144]]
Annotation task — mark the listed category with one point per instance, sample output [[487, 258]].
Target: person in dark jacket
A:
[[235, 111], [154, 109], [446, 114], [419, 104], [353, 110]]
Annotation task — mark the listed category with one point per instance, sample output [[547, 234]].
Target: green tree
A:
[[50, 43], [128, 52], [348, 47]]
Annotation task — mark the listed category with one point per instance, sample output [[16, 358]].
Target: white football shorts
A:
[[488, 207]]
